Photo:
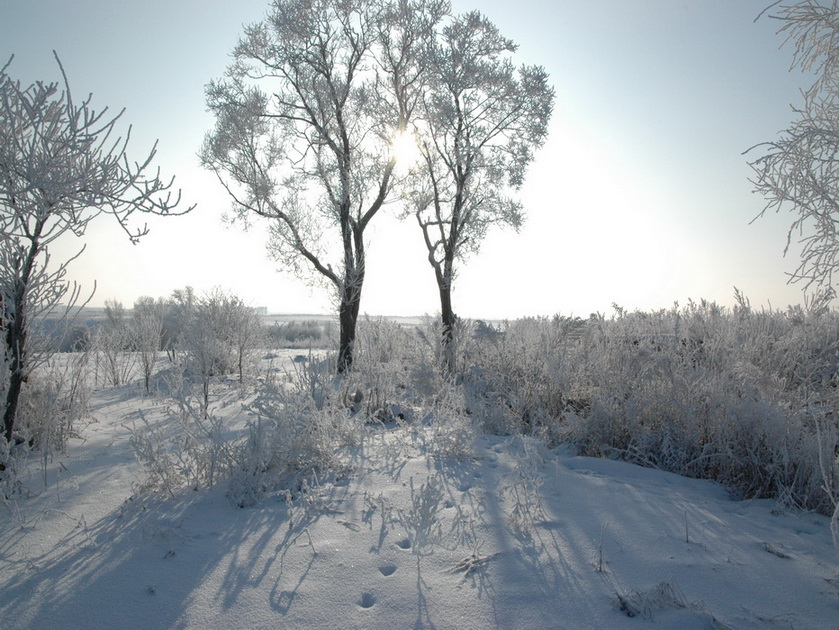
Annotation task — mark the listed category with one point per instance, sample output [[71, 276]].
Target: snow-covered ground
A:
[[512, 536]]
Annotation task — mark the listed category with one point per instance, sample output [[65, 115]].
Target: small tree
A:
[[800, 170], [248, 333], [147, 335], [177, 316], [61, 166], [111, 343], [210, 339], [304, 124], [480, 121]]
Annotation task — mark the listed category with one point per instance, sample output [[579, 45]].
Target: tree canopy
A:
[[481, 121], [304, 120]]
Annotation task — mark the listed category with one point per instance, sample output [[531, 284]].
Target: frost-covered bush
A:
[[290, 441], [188, 447], [452, 429], [52, 403], [743, 397], [147, 336], [111, 345], [219, 335], [273, 440], [747, 398], [526, 373], [302, 334], [382, 385]]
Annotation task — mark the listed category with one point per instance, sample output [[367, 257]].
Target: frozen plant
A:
[[111, 344], [210, 339], [472, 563], [289, 439], [153, 450], [186, 447], [62, 165], [662, 596], [146, 337], [522, 494], [452, 431]]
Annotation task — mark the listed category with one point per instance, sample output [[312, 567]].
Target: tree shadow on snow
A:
[[147, 563], [524, 562]]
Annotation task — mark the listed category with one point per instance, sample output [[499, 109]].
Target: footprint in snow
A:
[[405, 543], [387, 569], [367, 600]]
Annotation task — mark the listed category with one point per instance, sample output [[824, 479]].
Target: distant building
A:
[[260, 310]]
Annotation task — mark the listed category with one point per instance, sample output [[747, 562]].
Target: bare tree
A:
[[481, 120], [304, 121], [799, 171], [62, 165]]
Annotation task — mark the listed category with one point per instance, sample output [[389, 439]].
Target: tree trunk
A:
[[15, 347], [354, 273], [348, 321], [12, 397], [16, 333], [448, 319]]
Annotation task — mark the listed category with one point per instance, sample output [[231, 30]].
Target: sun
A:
[[404, 149]]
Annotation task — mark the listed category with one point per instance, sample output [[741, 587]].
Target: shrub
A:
[[746, 398], [289, 435], [53, 401], [301, 334]]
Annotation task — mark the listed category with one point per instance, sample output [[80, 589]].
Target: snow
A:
[[512, 536]]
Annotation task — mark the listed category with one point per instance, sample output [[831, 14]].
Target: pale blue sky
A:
[[640, 196]]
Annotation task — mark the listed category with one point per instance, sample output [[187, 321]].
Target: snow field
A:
[[511, 536]]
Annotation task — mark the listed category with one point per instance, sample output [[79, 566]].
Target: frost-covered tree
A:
[[147, 335], [479, 123], [178, 313], [799, 171], [305, 118], [248, 334], [111, 342], [62, 165], [219, 334], [206, 343]]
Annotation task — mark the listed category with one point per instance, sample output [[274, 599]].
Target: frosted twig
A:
[[471, 563]]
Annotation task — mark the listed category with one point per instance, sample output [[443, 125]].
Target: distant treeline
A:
[[78, 336]]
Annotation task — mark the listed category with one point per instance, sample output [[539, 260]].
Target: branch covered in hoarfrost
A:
[[62, 165]]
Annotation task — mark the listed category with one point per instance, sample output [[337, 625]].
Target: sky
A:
[[640, 197]]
